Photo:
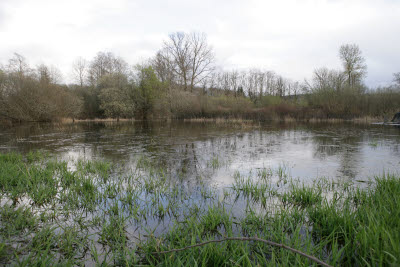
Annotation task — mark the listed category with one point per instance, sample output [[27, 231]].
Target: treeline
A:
[[182, 81]]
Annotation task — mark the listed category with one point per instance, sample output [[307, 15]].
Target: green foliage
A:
[[346, 103], [114, 96], [269, 100], [229, 105], [91, 102], [146, 90], [114, 103]]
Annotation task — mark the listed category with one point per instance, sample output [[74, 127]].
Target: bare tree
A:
[[280, 86], [49, 75], [234, 81], [396, 79], [325, 78], [79, 70], [18, 69], [252, 83], [193, 58], [103, 64], [202, 58], [18, 64], [56, 76], [270, 82], [353, 63], [212, 81], [164, 67], [295, 89], [44, 74], [261, 79], [178, 47], [320, 78], [225, 82]]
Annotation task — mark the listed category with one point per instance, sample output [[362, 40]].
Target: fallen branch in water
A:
[[249, 239]]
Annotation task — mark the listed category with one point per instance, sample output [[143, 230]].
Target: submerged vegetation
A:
[[93, 212], [182, 82]]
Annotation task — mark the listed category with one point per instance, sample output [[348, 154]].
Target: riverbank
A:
[[239, 120], [234, 120], [243, 120], [361, 120], [90, 212]]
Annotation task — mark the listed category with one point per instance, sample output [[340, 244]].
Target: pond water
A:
[[305, 151], [166, 175]]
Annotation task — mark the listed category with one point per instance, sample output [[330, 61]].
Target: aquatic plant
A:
[[54, 215]]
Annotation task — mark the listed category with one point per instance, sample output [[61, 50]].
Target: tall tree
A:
[[326, 79], [79, 70], [353, 63], [147, 89], [202, 58], [18, 65], [114, 96], [396, 79], [193, 58], [49, 75], [103, 64]]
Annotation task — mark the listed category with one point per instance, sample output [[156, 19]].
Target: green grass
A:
[[302, 196], [16, 221], [373, 143], [55, 215]]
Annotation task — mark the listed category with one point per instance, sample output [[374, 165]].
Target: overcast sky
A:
[[291, 37]]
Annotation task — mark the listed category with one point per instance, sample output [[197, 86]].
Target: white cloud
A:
[[291, 37]]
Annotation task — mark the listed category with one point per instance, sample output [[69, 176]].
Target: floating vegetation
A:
[[373, 143], [91, 212], [214, 163]]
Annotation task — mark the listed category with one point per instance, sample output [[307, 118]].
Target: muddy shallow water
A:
[[189, 150]]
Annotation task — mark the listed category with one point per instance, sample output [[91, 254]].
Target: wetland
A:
[[121, 193]]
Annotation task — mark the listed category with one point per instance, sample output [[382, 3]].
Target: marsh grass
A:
[[92, 213], [302, 195], [215, 162], [373, 143]]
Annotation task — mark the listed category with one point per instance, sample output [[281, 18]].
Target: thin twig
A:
[[250, 239]]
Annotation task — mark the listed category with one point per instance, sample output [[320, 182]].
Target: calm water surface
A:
[[305, 151]]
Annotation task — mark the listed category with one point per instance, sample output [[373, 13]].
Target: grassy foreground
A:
[[92, 212]]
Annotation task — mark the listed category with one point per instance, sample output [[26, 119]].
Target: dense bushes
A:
[[113, 90], [25, 98]]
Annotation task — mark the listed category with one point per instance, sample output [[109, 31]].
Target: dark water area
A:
[[306, 151]]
